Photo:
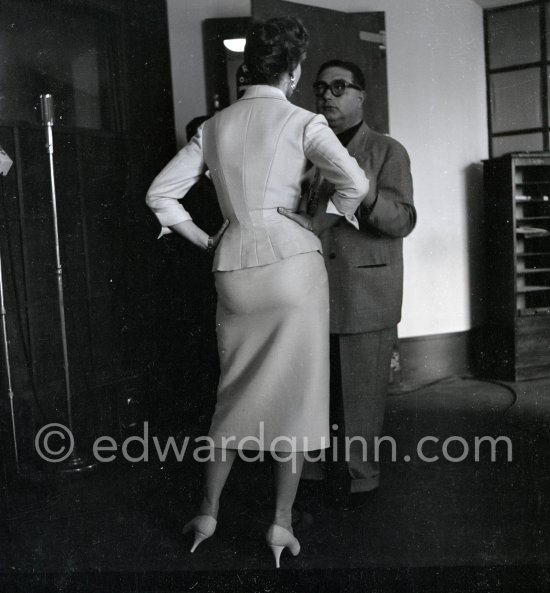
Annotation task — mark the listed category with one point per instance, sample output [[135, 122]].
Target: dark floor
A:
[[442, 526]]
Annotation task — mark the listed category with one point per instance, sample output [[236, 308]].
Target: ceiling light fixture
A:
[[235, 45]]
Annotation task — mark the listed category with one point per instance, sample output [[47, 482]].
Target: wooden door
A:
[[356, 37]]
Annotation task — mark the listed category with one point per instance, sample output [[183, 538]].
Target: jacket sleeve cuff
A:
[[331, 209], [173, 216], [170, 219], [164, 231]]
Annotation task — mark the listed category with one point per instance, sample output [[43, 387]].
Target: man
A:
[[365, 269]]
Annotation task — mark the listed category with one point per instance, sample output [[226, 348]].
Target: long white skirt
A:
[[273, 343]]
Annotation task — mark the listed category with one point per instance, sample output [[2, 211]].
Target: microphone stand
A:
[[75, 462], [7, 354]]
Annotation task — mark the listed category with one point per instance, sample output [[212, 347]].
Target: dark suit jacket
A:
[[365, 267]]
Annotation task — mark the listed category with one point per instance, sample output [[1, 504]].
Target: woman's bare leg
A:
[[287, 480], [216, 473]]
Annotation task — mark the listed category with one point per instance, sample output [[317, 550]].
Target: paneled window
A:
[[518, 55]]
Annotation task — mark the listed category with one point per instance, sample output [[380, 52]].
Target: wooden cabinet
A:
[[517, 227]]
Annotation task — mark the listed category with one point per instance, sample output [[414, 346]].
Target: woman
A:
[[272, 316]]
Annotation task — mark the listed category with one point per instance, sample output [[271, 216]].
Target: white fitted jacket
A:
[[257, 151]]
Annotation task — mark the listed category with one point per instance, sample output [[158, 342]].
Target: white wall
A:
[[437, 107]]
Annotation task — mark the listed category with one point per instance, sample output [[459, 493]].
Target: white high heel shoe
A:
[[203, 526], [278, 538]]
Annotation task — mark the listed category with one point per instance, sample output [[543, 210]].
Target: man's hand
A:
[[317, 223], [301, 218], [214, 240]]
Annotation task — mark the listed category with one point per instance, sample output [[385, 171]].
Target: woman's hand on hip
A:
[[214, 240]]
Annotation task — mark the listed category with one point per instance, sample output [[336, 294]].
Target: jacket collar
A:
[[263, 90], [357, 143]]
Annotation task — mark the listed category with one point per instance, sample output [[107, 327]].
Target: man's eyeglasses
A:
[[337, 87]]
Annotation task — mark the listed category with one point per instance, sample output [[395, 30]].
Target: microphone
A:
[[5, 162], [46, 107]]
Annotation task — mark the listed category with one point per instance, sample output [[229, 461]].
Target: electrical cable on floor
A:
[[506, 386], [463, 378], [419, 387]]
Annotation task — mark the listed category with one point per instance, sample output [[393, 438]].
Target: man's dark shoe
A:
[[301, 519], [351, 501], [311, 494]]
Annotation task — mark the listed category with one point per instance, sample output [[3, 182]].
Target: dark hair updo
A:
[[274, 47]]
